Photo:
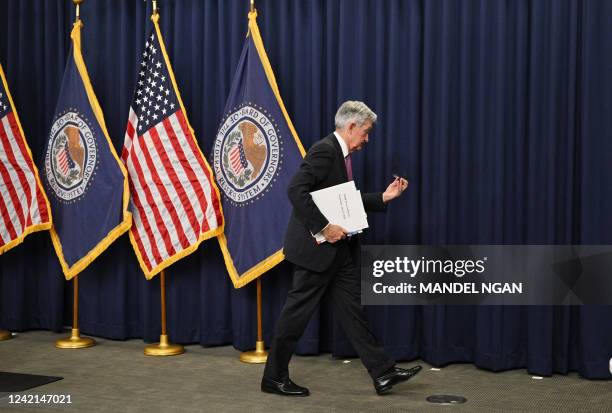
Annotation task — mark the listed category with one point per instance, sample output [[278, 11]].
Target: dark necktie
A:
[[349, 167]]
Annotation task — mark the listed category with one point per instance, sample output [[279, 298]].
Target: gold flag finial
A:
[[155, 15], [252, 5], [77, 3]]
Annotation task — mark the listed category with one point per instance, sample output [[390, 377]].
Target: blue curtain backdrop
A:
[[499, 113]]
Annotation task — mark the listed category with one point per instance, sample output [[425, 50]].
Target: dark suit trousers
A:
[[343, 283]]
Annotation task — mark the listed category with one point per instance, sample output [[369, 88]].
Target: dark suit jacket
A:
[[322, 167]]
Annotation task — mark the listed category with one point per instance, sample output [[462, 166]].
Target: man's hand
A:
[[395, 189], [334, 233]]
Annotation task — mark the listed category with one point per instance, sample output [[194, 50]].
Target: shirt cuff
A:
[[320, 233]]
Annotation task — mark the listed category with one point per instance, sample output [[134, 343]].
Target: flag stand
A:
[[75, 340], [259, 355], [5, 335], [163, 348]]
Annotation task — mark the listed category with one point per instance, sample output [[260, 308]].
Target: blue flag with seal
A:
[[85, 178], [255, 153]]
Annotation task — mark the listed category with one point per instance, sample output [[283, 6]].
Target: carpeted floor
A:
[[115, 376]]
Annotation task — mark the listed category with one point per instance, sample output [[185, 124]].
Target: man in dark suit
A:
[[331, 265]]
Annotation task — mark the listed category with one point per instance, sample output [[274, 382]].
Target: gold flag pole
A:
[[163, 348], [259, 355], [75, 340], [5, 335]]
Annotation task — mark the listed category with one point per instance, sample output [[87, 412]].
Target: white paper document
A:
[[341, 205]]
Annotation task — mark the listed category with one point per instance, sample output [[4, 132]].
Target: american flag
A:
[[174, 200], [23, 204]]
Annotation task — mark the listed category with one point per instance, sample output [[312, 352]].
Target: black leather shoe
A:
[[285, 387], [395, 375]]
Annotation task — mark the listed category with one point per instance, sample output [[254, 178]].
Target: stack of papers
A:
[[341, 205]]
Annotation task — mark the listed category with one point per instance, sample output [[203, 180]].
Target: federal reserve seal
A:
[[246, 153], [71, 156]]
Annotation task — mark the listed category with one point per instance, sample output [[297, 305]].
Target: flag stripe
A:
[[213, 210], [182, 185], [188, 177], [20, 167], [10, 200], [148, 220], [144, 245], [5, 236], [159, 179], [17, 167], [12, 186], [186, 152], [129, 134], [142, 224], [41, 214], [8, 231], [160, 230]]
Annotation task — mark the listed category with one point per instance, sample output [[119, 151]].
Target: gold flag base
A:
[[5, 335], [259, 355], [163, 348], [75, 341]]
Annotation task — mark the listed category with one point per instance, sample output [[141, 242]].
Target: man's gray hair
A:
[[354, 111]]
